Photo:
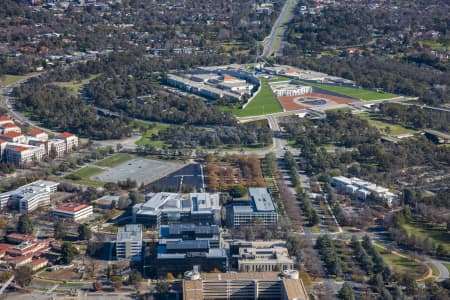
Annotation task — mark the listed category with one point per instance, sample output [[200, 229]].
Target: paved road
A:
[[444, 274], [270, 46]]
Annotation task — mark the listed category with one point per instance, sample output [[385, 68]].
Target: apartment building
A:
[[129, 242], [9, 127], [22, 155], [73, 211], [38, 134]]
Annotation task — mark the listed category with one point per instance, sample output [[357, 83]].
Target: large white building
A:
[[167, 208], [31, 196], [288, 88], [260, 210], [73, 211], [362, 189], [129, 242]]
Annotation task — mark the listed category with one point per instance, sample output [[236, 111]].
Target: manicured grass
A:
[[265, 102], [11, 79], [394, 129], [400, 264], [447, 265], [88, 171], [146, 138], [438, 234], [365, 95], [115, 160], [435, 270], [76, 86]]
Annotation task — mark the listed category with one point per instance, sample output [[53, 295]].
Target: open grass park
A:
[[11, 79], [264, 102], [81, 176], [402, 264], [155, 128], [75, 86], [438, 234], [392, 129], [357, 93]]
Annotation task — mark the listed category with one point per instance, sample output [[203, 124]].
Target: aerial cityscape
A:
[[220, 150]]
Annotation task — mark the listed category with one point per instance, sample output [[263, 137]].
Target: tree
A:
[[97, 285], [238, 191], [59, 231], [84, 232], [162, 286], [23, 276], [135, 277], [25, 226], [68, 252], [346, 292]]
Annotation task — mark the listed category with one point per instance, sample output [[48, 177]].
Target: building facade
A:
[[129, 242], [73, 211]]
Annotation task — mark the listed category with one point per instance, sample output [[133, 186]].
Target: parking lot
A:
[[140, 169]]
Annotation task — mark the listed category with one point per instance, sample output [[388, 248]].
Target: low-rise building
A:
[[29, 197], [362, 189], [129, 242], [260, 256], [73, 211], [259, 210], [249, 286], [288, 88]]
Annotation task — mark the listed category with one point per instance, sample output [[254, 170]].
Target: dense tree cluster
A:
[[327, 249], [249, 134], [54, 108]]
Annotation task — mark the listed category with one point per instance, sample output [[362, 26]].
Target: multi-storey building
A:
[[70, 139], [29, 197], [73, 211], [9, 127], [260, 256], [38, 134], [168, 208], [129, 242], [259, 210], [13, 137], [22, 155]]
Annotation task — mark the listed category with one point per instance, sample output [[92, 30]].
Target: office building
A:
[[73, 211], [182, 246], [191, 232], [259, 210], [167, 208], [70, 139], [129, 242], [362, 189], [260, 256], [244, 286], [31, 196]]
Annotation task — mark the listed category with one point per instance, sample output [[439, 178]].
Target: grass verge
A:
[[115, 160]]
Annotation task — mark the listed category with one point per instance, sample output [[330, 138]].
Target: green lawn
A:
[[400, 264], [11, 79], [435, 270], [84, 174], [146, 138], [365, 95], [115, 160], [438, 234], [76, 86], [88, 171], [394, 129], [265, 102], [447, 265]]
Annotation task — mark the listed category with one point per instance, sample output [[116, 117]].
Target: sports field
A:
[[265, 102]]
